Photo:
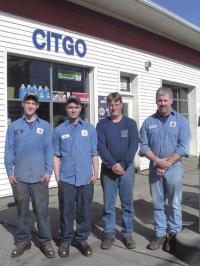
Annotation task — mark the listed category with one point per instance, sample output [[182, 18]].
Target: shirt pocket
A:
[[66, 145], [20, 140], [85, 142]]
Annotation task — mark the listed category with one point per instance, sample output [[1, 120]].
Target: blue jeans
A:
[[167, 187], [71, 197], [111, 186], [39, 195]]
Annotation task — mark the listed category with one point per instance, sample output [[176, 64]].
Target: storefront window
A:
[[52, 82]]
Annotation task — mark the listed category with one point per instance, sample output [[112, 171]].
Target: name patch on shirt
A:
[[84, 133], [66, 136], [152, 126], [172, 124], [124, 133], [18, 131], [40, 130]]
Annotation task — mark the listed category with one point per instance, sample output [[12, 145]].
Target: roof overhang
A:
[[150, 16]]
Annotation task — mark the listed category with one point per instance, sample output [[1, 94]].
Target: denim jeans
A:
[[71, 198], [167, 187], [38, 193], [111, 187]]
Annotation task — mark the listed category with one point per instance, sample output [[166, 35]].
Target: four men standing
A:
[[29, 156]]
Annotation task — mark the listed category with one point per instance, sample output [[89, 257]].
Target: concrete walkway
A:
[[118, 255]]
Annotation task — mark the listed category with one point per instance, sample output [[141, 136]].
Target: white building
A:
[[95, 47]]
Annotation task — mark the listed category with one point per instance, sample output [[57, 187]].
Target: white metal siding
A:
[[107, 58]]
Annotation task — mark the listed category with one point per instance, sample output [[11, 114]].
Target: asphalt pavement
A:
[[118, 254]]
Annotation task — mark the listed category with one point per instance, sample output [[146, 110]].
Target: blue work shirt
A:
[[29, 150], [165, 136], [75, 144]]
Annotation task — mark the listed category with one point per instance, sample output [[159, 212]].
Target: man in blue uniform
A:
[[117, 145], [165, 138], [29, 164], [76, 167]]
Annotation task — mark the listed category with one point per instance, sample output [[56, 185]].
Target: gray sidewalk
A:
[[118, 255]]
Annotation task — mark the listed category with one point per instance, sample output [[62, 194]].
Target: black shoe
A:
[[47, 250], [156, 243], [84, 247], [107, 242], [129, 242], [63, 250], [170, 243], [20, 248]]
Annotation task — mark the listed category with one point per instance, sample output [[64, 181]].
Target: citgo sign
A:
[[51, 40]]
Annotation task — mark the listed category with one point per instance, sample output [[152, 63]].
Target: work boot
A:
[[170, 243], [156, 243], [20, 248], [129, 242], [47, 250], [107, 242], [84, 247], [63, 250]]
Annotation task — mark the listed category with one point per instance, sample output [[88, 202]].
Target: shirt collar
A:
[[172, 113], [80, 121], [36, 118]]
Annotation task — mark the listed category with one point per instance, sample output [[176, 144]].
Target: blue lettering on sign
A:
[[45, 40]]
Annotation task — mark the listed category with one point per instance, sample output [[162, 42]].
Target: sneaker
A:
[[47, 250], [63, 250], [129, 242], [107, 242], [84, 247], [170, 243], [20, 248], [156, 243]]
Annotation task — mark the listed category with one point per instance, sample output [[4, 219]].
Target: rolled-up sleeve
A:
[[9, 154], [56, 143], [184, 137], [94, 142], [48, 150], [144, 145]]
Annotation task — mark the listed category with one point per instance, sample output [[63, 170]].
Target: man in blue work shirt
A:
[[76, 167], [165, 138], [117, 145], [29, 164]]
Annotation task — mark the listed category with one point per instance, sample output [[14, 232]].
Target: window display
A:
[[52, 82]]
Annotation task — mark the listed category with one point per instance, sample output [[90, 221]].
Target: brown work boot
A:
[[47, 250], [20, 248], [84, 247], [129, 242], [63, 250], [156, 243]]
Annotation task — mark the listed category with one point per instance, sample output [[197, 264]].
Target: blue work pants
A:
[[168, 187], [38, 193], [75, 201], [123, 185]]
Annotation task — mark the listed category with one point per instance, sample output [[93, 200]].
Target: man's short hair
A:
[[162, 91], [113, 97]]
